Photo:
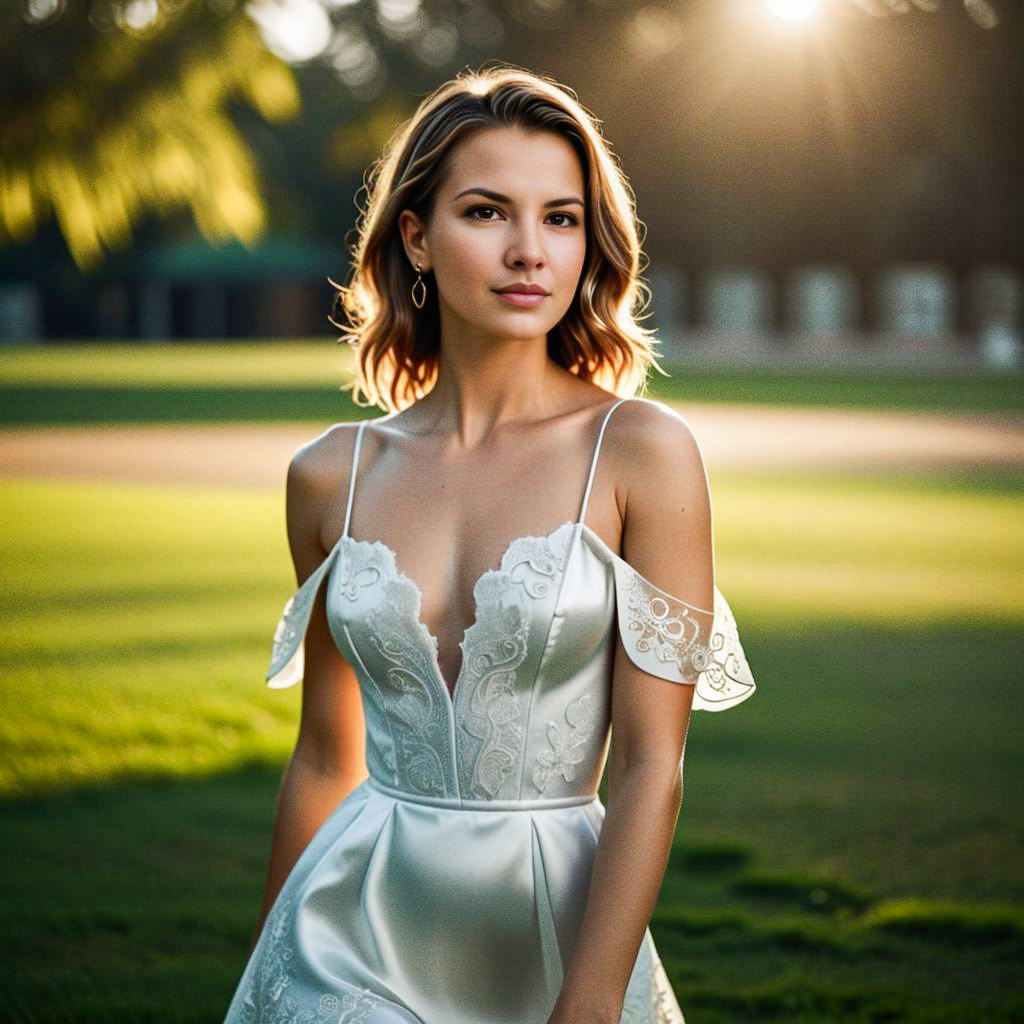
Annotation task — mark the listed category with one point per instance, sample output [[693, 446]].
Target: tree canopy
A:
[[114, 109]]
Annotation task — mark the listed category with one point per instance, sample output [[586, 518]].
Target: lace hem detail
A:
[[268, 996], [649, 997]]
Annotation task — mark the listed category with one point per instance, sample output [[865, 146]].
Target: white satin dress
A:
[[449, 886]]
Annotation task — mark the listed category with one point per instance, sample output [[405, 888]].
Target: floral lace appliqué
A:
[[666, 629], [269, 996], [421, 724], [683, 643], [418, 718], [355, 577], [649, 996], [568, 744], [286, 657], [488, 709]]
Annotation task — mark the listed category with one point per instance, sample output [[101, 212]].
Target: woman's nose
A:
[[526, 247]]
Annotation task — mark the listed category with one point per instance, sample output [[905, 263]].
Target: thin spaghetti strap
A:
[[352, 475], [593, 461]]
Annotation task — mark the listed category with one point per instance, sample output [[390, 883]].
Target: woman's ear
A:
[[414, 239]]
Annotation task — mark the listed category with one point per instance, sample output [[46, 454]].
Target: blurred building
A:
[[906, 314], [184, 290]]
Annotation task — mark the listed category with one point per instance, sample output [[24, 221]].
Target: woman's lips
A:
[[521, 298]]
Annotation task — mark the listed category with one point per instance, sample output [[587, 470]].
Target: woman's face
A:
[[510, 211]]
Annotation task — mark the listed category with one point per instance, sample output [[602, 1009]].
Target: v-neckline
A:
[[431, 640], [578, 526]]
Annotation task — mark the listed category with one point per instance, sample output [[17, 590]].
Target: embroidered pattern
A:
[[494, 646], [268, 996], [537, 556], [419, 719], [666, 629], [488, 709], [355, 577], [678, 641], [291, 627], [727, 671], [649, 996], [568, 746]]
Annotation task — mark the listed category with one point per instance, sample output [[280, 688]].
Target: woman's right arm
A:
[[329, 760]]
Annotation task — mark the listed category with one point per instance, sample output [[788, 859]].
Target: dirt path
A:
[[731, 437]]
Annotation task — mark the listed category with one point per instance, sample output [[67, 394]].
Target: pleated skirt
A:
[[409, 909]]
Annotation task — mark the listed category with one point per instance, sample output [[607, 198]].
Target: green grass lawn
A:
[[300, 380], [850, 847]]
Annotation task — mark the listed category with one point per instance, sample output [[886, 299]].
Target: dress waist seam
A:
[[458, 804]]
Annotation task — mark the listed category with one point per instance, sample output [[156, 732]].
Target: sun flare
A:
[[792, 10]]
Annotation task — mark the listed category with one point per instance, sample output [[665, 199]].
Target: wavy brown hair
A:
[[397, 347]]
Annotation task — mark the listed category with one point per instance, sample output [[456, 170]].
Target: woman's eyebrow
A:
[[499, 198]]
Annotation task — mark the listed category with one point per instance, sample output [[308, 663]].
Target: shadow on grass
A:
[[135, 902]]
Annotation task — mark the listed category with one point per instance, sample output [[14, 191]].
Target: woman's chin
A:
[[518, 326]]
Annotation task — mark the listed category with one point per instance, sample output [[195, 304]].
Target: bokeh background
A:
[[833, 203]]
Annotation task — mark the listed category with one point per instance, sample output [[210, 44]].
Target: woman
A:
[[463, 880]]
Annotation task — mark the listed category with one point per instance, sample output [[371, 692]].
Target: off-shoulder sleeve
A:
[[287, 658], [674, 640]]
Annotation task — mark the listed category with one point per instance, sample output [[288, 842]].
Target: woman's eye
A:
[[568, 217]]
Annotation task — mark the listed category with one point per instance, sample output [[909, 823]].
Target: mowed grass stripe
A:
[[300, 379]]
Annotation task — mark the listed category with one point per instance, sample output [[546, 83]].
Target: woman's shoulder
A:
[[646, 434], [324, 461], [318, 478]]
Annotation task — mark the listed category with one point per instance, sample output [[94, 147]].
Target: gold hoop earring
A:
[[419, 284]]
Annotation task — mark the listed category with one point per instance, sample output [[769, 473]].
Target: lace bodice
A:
[[530, 715]]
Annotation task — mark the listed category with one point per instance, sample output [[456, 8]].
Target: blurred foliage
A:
[[981, 11], [113, 110], [841, 139]]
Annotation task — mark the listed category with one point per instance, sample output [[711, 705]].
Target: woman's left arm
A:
[[667, 538], [629, 866]]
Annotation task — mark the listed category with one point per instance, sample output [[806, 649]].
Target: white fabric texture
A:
[[449, 887]]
